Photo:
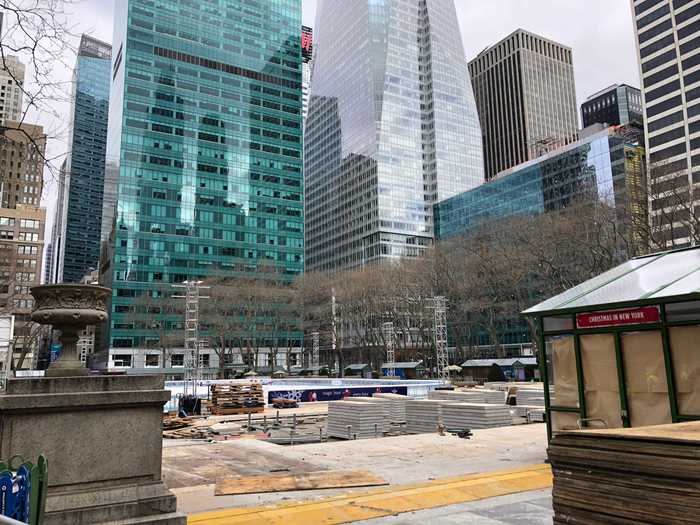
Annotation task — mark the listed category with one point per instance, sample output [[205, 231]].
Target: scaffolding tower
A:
[[315, 349], [193, 345], [440, 333], [390, 340]]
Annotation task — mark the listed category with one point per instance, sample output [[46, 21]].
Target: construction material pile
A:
[[229, 399], [636, 475], [531, 397], [355, 419], [397, 406], [469, 396], [475, 415], [422, 416], [385, 404]]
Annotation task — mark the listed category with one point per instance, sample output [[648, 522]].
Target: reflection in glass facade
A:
[[607, 165], [78, 242], [392, 128], [204, 155]]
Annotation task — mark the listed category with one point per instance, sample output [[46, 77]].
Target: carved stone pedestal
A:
[[102, 436]]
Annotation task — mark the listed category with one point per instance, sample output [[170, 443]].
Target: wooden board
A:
[[687, 432], [325, 479], [218, 411]]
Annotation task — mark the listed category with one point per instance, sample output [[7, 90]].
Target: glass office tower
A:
[[204, 154], [392, 128], [80, 207]]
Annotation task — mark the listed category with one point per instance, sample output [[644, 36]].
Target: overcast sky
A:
[[600, 33]]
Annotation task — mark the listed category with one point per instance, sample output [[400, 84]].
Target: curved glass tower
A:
[[392, 129]]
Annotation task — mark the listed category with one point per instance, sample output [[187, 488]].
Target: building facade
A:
[[617, 105], [21, 251], [307, 50], [82, 183], [526, 98], [204, 154], [22, 148], [668, 47], [57, 229], [11, 82], [607, 165], [392, 128]]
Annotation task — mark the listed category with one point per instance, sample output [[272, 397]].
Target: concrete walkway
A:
[[395, 502], [524, 508]]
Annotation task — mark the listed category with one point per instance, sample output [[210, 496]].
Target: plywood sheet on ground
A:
[[325, 479]]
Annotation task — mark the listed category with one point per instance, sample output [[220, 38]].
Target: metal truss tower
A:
[[193, 360], [315, 349], [390, 339], [440, 332]]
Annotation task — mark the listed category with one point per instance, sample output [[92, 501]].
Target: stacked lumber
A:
[[475, 415], [383, 403], [643, 475], [366, 420], [237, 398], [422, 416], [530, 397], [470, 396], [397, 406]]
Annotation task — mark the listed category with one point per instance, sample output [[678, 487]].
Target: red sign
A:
[[644, 315], [307, 43]]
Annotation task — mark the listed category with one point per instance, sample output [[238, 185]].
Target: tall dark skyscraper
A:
[[392, 128], [526, 97], [204, 152], [668, 46], [78, 220], [617, 105]]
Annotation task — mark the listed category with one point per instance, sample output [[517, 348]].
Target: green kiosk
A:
[[623, 349]]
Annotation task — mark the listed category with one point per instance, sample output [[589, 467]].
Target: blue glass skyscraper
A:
[[80, 207], [204, 154]]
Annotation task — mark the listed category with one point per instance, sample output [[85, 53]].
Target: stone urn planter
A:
[[69, 308]]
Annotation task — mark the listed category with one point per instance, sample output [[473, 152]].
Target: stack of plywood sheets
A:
[[635, 475], [475, 395], [475, 415], [386, 409], [366, 420], [462, 396], [530, 397], [397, 406], [422, 416]]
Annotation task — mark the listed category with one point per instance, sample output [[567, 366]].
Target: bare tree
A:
[[161, 317], [37, 32]]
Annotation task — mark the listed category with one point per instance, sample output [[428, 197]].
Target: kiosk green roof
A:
[[651, 279]]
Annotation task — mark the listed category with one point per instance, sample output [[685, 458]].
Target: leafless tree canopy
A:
[[37, 32], [488, 277]]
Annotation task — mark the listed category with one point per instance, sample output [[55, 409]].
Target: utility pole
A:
[[192, 342], [390, 339]]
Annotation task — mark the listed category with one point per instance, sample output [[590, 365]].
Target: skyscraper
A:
[[80, 208], [668, 46], [392, 128], [22, 223], [307, 43], [11, 81], [616, 105], [204, 167], [526, 98]]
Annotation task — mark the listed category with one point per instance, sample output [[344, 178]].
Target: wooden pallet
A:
[[217, 411], [237, 397]]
